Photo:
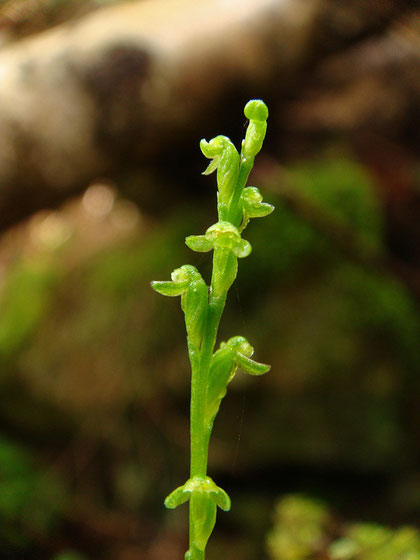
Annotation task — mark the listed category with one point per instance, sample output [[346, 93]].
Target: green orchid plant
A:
[[203, 307]]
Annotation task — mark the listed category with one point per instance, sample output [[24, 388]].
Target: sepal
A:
[[176, 498], [168, 288]]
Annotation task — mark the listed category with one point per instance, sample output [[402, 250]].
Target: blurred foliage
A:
[[24, 302], [31, 500], [69, 555], [340, 188], [299, 528], [304, 529], [374, 542]]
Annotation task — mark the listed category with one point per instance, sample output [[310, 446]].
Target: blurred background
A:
[[102, 107]]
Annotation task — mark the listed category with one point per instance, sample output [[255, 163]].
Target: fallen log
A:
[[79, 99]]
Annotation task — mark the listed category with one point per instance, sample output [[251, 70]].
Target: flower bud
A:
[[257, 113]]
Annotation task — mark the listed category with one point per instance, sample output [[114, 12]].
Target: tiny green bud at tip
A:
[[256, 110]]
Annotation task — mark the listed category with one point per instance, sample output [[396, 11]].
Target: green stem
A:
[[200, 433], [199, 381]]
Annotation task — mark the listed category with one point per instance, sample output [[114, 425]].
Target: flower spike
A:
[[212, 371]]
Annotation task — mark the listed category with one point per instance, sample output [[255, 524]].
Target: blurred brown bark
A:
[[83, 99]]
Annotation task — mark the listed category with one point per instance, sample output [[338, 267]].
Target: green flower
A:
[[253, 205], [234, 354], [204, 496], [225, 159], [222, 235], [201, 485], [188, 283]]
